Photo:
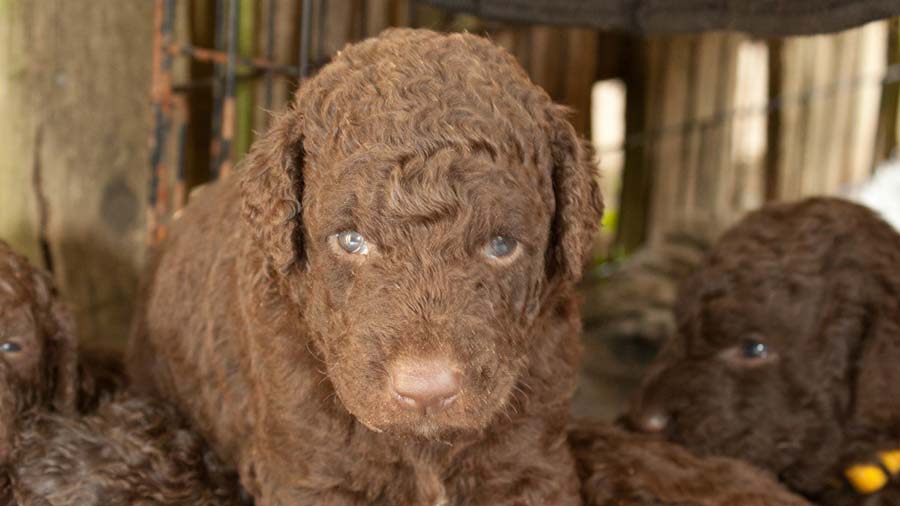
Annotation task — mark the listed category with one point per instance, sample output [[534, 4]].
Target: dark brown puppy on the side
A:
[[66, 436], [618, 468], [380, 308], [787, 353]]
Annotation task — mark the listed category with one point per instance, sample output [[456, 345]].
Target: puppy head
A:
[[37, 344], [775, 343], [429, 198]]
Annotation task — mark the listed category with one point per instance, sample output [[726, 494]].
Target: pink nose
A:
[[424, 385]]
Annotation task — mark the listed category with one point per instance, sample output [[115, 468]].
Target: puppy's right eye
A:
[[10, 347], [753, 351], [353, 242]]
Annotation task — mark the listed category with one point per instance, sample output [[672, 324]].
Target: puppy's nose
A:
[[425, 385], [652, 421]]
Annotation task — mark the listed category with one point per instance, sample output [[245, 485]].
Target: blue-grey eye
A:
[[10, 347], [353, 242], [752, 348], [501, 247]]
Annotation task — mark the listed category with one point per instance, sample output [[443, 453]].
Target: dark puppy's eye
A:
[[353, 242], [752, 351], [501, 247], [752, 348], [10, 347]]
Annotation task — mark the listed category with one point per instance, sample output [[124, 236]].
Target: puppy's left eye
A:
[[10, 347], [501, 247], [353, 242]]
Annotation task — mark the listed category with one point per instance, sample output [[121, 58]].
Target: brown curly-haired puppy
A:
[[618, 468], [380, 309], [54, 447], [787, 350]]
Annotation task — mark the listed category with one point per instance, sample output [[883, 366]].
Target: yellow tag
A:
[[866, 478], [891, 461]]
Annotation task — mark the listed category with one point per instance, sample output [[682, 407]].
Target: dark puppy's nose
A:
[[424, 385], [651, 421]]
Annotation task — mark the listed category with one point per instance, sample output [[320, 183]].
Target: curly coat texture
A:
[[129, 451], [56, 446], [618, 468], [818, 283], [277, 344]]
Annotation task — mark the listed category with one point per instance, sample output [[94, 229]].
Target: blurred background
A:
[[700, 111]]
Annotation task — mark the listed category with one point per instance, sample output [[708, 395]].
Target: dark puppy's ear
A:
[[272, 190], [61, 341], [875, 391], [579, 205]]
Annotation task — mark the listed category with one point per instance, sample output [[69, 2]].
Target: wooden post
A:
[[75, 82]]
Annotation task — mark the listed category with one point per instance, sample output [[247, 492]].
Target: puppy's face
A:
[[786, 346], [428, 198], [21, 343], [426, 276], [23, 348]]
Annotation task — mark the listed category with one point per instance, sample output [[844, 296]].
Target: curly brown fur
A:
[[278, 345], [51, 450], [129, 451], [617, 468], [818, 283]]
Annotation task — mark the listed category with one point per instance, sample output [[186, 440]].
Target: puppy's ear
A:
[[61, 341], [579, 205], [875, 375], [272, 191]]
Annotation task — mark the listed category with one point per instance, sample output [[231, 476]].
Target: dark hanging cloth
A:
[[759, 17]]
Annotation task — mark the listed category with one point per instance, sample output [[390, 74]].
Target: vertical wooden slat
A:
[[790, 142], [773, 180], [719, 169], [888, 140], [578, 78], [637, 178], [863, 121], [670, 82], [378, 16], [545, 62], [702, 139], [841, 108], [199, 98], [246, 90], [748, 134]]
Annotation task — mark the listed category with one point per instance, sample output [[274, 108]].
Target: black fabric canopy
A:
[[760, 17]]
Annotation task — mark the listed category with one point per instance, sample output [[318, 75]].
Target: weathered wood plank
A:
[[19, 222], [84, 86]]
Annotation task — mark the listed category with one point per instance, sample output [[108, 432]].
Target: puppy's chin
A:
[[445, 427], [430, 430], [457, 422]]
